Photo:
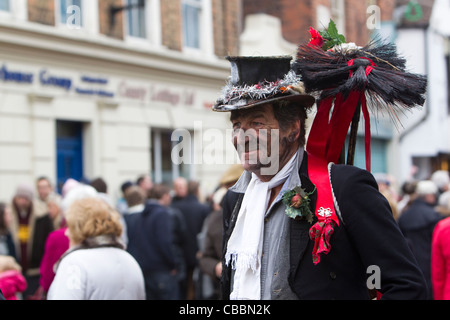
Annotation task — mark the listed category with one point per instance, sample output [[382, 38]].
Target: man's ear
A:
[[294, 131]]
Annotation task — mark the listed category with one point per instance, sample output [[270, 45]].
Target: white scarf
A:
[[245, 244]]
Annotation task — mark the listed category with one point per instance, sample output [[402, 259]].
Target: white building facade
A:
[[419, 143], [423, 144], [76, 103]]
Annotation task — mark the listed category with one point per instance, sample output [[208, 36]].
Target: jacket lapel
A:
[[299, 233], [299, 229]]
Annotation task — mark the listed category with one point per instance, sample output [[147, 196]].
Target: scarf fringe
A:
[[242, 260], [245, 244]]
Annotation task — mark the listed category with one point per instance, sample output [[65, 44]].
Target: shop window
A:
[[192, 12], [164, 170], [424, 167]]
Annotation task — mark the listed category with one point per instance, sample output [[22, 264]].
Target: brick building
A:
[[354, 19], [93, 88], [420, 30], [298, 16]]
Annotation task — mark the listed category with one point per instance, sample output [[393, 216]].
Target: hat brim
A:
[[305, 100]]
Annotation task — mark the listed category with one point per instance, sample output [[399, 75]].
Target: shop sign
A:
[[98, 86], [88, 85], [92, 87], [155, 93], [47, 79], [7, 75], [132, 92]]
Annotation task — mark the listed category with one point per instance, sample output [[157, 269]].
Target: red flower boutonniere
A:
[[297, 204]]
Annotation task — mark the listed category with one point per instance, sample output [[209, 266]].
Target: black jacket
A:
[[150, 238], [367, 236], [417, 224], [194, 214]]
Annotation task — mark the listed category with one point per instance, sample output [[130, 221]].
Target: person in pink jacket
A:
[[440, 260], [57, 241], [12, 281]]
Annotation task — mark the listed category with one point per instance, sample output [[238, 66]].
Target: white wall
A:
[[117, 142], [426, 130], [262, 36]]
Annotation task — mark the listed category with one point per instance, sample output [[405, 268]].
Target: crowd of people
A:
[[148, 240], [422, 211], [157, 242]]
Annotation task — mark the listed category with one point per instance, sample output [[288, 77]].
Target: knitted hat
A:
[[441, 178], [68, 185], [24, 190], [78, 192], [426, 187]]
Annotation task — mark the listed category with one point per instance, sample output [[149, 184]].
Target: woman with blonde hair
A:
[[96, 266]]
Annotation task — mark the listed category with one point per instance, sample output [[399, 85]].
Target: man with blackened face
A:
[[271, 222]]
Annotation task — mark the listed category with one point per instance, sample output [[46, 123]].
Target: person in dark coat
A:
[[6, 239], [150, 243], [30, 230], [194, 214], [417, 224], [160, 193], [272, 230]]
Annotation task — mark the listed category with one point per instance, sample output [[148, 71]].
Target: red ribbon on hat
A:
[[365, 111], [326, 138]]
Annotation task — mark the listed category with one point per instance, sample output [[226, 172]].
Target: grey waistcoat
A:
[[275, 259]]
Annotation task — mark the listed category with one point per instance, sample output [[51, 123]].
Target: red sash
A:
[[325, 142]]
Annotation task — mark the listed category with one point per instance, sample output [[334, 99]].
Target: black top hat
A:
[[261, 80]]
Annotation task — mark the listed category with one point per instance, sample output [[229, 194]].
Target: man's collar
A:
[[292, 181]]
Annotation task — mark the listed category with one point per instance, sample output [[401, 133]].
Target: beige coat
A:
[[15, 234]]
